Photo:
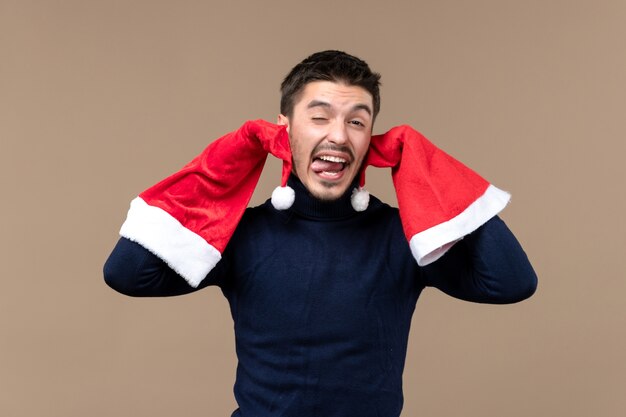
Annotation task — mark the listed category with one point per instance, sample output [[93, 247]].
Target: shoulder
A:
[[381, 212], [378, 206], [260, 212], [260, 219]]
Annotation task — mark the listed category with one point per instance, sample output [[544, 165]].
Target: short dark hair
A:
[[328, 65]]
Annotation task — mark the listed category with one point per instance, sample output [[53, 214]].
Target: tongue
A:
[[318, 166]]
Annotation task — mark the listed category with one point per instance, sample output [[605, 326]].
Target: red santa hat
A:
[[440, 199], [188, 218]]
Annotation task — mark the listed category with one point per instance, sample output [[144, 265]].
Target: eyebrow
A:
[[362, 107], [320, 103]]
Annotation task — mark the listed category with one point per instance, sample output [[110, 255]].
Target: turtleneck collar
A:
[[308, 206]]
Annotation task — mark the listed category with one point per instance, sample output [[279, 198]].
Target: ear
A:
[[283, 121]]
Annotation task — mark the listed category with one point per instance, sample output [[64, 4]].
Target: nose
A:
[[338, 132]]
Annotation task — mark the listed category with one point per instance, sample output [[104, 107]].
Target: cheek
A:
[[300, 143], [362, 146], [298, 152], [295, 146]]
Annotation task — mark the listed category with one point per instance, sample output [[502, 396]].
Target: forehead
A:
[[337, 94]]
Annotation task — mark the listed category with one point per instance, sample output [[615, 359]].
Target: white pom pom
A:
[[283, 197], [360, 199]]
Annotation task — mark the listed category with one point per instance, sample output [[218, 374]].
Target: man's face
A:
[[329, 132]]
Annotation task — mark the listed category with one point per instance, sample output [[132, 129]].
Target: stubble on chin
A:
[[327, 195]]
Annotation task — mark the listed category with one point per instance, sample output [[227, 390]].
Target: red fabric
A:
[[209, 195], [431, 186]]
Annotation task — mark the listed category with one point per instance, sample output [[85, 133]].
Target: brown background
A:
[[100, 99]]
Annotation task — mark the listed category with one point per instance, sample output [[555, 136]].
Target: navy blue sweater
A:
[[322, 299]]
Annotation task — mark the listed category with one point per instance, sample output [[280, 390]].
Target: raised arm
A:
[[448, 214], [133, 270], [486, 266], [180, 226]]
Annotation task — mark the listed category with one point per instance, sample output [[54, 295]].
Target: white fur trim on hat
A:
[[283, 197], [433, 243], [184, 251]]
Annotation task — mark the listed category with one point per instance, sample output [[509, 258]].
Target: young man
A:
[[322, 288]]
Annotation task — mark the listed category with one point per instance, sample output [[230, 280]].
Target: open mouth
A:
[[329, 166]]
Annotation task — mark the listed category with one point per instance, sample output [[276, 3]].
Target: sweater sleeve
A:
[[133, 270], [487, 266]]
